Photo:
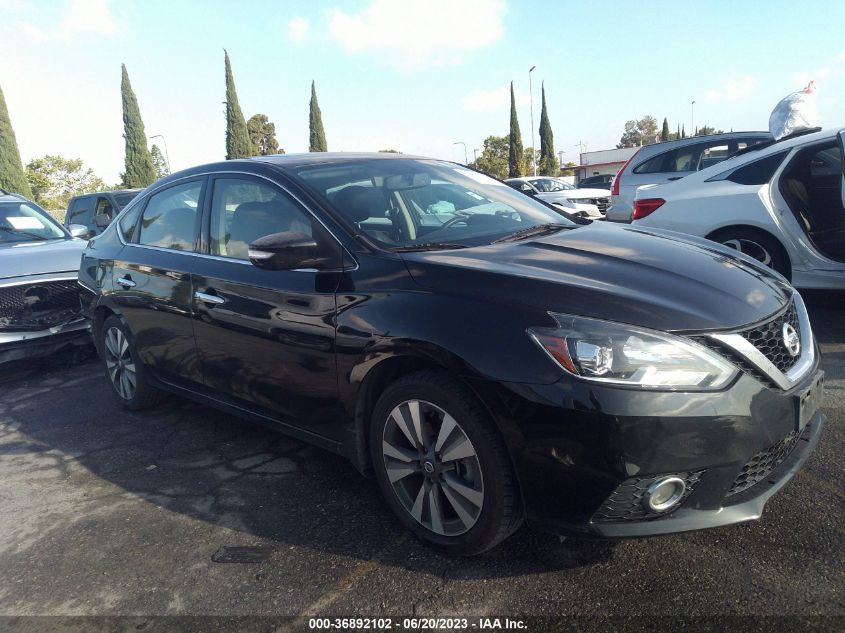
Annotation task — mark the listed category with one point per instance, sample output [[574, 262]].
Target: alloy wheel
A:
[[119, 363], [750, 248], [433, 467]]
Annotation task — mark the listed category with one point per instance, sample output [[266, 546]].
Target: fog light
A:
[[664, 493]]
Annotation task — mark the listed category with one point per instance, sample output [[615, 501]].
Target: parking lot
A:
[[187, 511]]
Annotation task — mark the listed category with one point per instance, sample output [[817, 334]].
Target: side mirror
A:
[[79, 230], [102, 220], [289, 251]]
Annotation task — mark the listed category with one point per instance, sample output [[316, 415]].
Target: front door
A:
[[152, 282], [265, 338]]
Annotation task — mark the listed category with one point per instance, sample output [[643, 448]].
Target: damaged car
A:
[[39, 292]]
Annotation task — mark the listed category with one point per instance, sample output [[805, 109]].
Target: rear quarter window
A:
[[759, 172]]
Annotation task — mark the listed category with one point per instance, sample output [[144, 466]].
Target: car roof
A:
[[323, 158], [106, 193], [647, 151]]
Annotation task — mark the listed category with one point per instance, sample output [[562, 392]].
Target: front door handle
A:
[[204, 297], [126, 281]]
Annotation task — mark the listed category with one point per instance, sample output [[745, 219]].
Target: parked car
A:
[[666, 162], [594, 379], [593, 202], [778, 202], [605, 181], [39, 294], [96, 210]]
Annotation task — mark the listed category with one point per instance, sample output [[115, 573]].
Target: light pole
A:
[[692, 115], [465, 150], [166, 153], [531, 101]]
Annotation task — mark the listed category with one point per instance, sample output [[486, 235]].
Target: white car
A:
[[587, 202], [781, 202]]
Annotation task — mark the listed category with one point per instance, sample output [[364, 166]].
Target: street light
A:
[[531, 101], [465, 150], [166, 153]]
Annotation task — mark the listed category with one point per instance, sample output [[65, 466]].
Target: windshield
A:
[[550, 184], [122, 199], [403, 203], [24, 222]]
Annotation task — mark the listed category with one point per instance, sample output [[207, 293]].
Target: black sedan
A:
[[484, 358]]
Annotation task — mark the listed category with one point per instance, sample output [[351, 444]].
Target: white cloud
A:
[[416, 34], [80, 16], [834, 69], [737, 89], [482, 100], [298, 29]]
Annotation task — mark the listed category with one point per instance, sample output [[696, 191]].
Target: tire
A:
[[456, 489], [127, 376], [757, 244]]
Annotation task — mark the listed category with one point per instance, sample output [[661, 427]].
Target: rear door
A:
[[152, 281], [265, 338]]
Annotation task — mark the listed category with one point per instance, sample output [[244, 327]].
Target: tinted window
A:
[[122, 199], [681, 159], [104, 207], [128, 221], [759, 172], [24, 222], [712, 155], [244, 210], [81, 211], [170, 217]]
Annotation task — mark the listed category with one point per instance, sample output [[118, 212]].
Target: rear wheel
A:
[[127, 375], [758, 245], [442, 465]]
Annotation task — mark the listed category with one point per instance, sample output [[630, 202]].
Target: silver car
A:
[[39, 291], [660, 163]]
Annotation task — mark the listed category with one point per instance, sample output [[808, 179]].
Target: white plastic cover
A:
[[794, 112]]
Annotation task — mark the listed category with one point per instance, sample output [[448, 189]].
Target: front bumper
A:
[[34, 344], [574, 445]]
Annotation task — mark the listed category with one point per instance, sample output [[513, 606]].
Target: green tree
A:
[[493, 160], [683, 131], [238, 144], [528, 158], [262, 135], [55, 180], [567, 172], [140, 171], [705, 130], [664, 133], [12, 176], [548, 159], [316, 133], [159, 162], [639, 132], [516, 156]]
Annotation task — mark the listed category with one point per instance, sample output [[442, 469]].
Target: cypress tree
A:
[[683, 131], [516, 155], [12, 177], [664, 133], [548, 160], [678, 133], [238, 144], [317, 135], [140, 171]]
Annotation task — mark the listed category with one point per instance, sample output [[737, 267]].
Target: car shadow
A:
[[203, 463]]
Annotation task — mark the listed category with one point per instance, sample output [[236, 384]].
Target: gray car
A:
[[39, 291], [660, 163]]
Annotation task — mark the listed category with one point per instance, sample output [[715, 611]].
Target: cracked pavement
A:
[[184, 510]]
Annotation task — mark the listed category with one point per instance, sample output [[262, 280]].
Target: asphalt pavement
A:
[[186, 511]]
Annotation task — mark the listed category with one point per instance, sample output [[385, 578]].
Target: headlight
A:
[[615, 353]]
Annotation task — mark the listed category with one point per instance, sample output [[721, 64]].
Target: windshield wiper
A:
[[432, 246], [16, 232], [532, 231]]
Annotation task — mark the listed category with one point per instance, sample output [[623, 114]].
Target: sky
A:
[[412, 75]]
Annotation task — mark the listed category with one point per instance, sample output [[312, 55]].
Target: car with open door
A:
[[486, 359], [778, 202], [95, 211]]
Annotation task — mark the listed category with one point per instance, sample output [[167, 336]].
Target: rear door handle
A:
[[204, 297], [126, 281]]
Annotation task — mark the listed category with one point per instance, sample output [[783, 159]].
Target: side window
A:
[[759, 172], [81, 212], [656, 165], [244, 210], [104, 207], [170, 217], [712, 155], [128, 221]]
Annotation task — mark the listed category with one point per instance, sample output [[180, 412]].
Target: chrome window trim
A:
[[754, 356], [152, 192]]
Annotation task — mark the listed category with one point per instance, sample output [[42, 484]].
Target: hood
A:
[[37, 258], [588, 193], [618, 273]]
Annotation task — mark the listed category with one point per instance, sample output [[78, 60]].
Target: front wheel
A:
[[126, 374], [764, 248], [442, 465]]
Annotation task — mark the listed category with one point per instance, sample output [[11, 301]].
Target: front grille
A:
[[603, 204], [768, 338], [763, 463], [39, 304], [626, 502]]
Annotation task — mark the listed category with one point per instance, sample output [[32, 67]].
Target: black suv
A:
[[486, 364], [605, 181], [96, 210]]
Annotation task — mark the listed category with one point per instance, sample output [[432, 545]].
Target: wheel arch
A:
[[716, 233]]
